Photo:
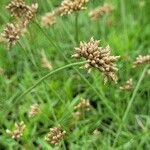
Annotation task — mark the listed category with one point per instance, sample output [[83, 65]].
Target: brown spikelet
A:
[[45, 63], [11, 33], [18, 132], [141, 60], [34, 110], [69, 6], [128, 86], [100, 11], [48, 19], [99, 58], [55, 135]]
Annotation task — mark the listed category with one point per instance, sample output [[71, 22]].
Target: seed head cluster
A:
[[18, 132], [99, 58], [20, 10], [100, 11], [34, 110], [55, 135], [83, 105], [49, 19], [22, 14], [142, 60], [69, 6], [66, 7], [11, 33], [128, 86]]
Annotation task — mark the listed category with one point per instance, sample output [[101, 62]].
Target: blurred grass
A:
[[128, 36]]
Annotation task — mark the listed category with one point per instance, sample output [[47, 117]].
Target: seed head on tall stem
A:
[[98, 57]]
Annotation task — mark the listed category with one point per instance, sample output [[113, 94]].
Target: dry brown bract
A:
[[99, 58], [55, 135], [142, 60], [49, 19], [100, 11], [128, 86], [69, 6], [18, 132], [20, 10], [11, 33], [34, 110]]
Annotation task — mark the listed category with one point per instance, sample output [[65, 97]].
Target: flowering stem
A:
[[129, 105], [76, 27], [46, 76]]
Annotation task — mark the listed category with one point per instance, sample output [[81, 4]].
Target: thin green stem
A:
[[45, 77], [76, 27], [129, 105]]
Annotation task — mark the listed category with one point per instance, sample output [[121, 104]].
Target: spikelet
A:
[[69, 6], [141, 60], [55, 135], [99, 58], [34, 110], [128, 86], [100, 11], [18, 132], [45, 63], [11, 33], [48, 19]]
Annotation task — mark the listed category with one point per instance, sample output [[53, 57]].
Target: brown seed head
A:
[[18, 132], [34, 110], [142, 60], [100, 11], [83, 105], [69, 6], [99, 58], [128, 86], [49, 19], [21, 11], [55, 135], [11, 33]]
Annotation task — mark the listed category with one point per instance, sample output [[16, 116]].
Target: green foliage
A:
[[128, 36]]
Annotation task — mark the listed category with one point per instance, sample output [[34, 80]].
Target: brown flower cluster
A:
[[23, 14], [142, 60], [81, 108], [55, 135], [83, 105], [69, 6], [18, 132], [11, 33], [128, 86], [49, 19], [99, 58], [100, 11], [34, 110], [66, 7], [20, 10]]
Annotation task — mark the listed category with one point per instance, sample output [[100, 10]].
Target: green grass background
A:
[[128, 36]]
